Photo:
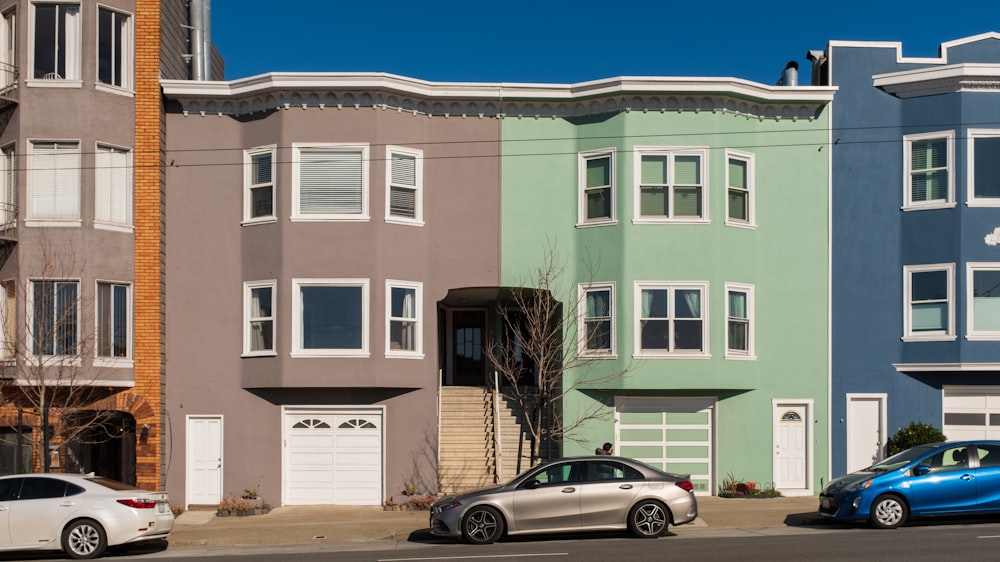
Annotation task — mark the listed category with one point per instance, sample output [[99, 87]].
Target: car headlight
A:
[[445, 507], [858, 486]]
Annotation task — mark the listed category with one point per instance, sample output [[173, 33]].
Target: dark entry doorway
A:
[[468, 366], [107, 447]]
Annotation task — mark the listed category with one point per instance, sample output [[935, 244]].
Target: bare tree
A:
[[541, 340], [48, 382]]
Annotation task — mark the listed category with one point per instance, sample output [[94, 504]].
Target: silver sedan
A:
[[600, 493], [79, 514]]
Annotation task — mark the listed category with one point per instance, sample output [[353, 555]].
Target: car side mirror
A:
[[532, 484], [921, 469]]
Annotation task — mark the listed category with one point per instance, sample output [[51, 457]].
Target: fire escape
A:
[[8, 200]]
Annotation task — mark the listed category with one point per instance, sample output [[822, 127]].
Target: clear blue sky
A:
[[565, 42]]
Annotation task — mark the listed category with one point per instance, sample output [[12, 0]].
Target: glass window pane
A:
[[687, 202], [404, 302], [930, 317], [737, 173], [599, 203], [656, 334], [738, 338], [738, 205], [599, 172], [687, 303], [654, 169], [929, 285], [688, 335], [987, 167], [653, 202], [687, 170], [737, 304], [260, 168], [331, 317], [262, 202]]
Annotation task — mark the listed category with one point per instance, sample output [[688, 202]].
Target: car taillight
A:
[[138, 504], [685, 485]]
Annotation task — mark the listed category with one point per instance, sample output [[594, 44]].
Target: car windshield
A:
[[899, 460]]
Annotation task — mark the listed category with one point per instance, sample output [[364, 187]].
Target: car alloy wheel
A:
[[482, 525], [84, 539], [648, 519], [888, 512]]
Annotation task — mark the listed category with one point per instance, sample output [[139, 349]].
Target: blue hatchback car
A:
[[936, 479]]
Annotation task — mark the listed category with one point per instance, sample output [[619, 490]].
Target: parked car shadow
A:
[[424, 536]]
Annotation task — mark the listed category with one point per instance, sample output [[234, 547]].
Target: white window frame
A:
[[582, 290], [249, 186], [249, 319], [671, 152], [8, 49], [671, 287], [583, 158], [297, 149], [74, 57], [127, 52], [297, 349], [750, 353], [751, 189], [418, 188], [971, 199], [8, 186], [908, 140], [908, 333], [8, 323], [105, 360], [33, 168], [971, 333], [74, 357], [107, 223], [418, 320]]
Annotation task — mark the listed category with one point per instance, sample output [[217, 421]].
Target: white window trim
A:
[[61, 83], [418, 195], [908, 204], [908, 335], [750, 353], [581, 204], [670, 152], [129, 225], [640, 353], [49, 360], [115, 362], [418, 337], [297, 350], [248, 287], [248, 155], [128, 54], [971, 200], [581, 328], [51, 222], [970, 333], [750, 160], [297, 147]]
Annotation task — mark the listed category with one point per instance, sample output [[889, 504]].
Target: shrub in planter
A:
[[913, 435]]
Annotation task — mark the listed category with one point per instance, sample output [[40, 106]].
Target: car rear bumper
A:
[[684, 511]]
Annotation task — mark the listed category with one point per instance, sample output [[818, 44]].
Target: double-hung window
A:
[[984, 167], [113, 314], [739, 321], [404, 186], [55, 317], [671, 319], [740, 188], [8, 186], [114, 48], [54, 181], [8, 42], [330, 182], [596, 329], [113, 189], [927, 159], [330, 317], [56, 41], [258, 317], [597, 188], [258, 191], [8, 324], [983, 280], [671, 185], [403, 319], [928, 302]]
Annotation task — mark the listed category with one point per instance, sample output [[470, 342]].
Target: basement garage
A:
[[971, 412]]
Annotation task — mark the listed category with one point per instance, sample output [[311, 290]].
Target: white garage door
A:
[[672, 434], [333, 457], [972, 412]]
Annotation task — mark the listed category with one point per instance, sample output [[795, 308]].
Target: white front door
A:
[[790, 450], [865, 430], [204, 460]]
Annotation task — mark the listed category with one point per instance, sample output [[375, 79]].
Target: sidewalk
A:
[[340, 524]]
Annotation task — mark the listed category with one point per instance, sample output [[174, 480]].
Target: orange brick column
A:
[[149, 244]]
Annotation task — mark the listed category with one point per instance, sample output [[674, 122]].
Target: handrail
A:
[[497, 441]]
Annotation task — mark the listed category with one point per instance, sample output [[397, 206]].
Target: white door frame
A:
[[883, 400], [188, 454], [781, 404]]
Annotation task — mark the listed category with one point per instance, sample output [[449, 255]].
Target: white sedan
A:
[[79, 514]]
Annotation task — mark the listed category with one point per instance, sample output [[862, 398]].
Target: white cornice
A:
[[942, 57], [272, 91], [940, 79], [962, 367]]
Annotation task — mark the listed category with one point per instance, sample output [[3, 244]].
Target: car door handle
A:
[[67, 504], [625, 486], [968, 476], [568, 490]]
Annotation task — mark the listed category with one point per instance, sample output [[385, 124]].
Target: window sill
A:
[[402, 355], [983, 202], [53, 83], [262, 220], [734, 357], [929, 206], [114, 362], [114, 227], [111, 89], [674, 355], [404, 222], [648, 220], [596, 223], [330, 218], [743, 225], [592, 355], [330, 353], [983, 337], [936, 337], [70, 223], [252, 354]]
